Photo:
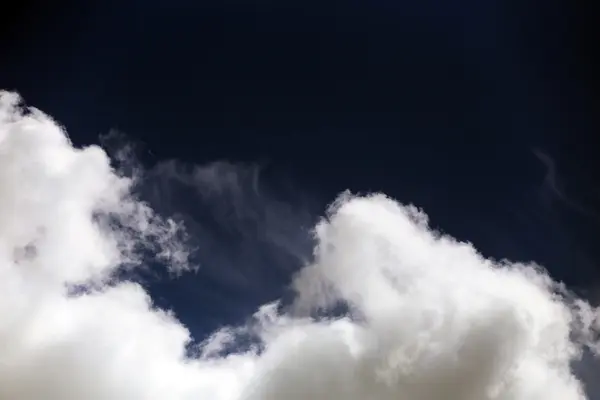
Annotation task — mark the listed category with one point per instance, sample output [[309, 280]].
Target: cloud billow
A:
[[429, 317]]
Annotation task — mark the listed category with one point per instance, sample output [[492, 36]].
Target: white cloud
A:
[[431, 318]]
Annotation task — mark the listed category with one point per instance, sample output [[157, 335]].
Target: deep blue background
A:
[[438, 103]]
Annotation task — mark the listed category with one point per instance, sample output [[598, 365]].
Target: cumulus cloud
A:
[[428, 317]]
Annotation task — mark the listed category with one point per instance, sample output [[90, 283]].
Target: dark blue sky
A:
[[438, 103]]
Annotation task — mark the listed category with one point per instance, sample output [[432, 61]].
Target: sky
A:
[[229, 131]]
